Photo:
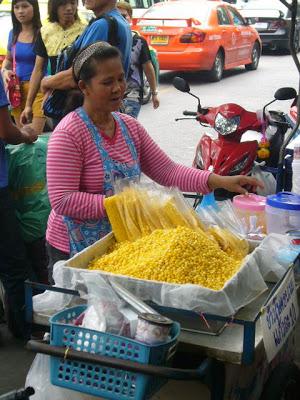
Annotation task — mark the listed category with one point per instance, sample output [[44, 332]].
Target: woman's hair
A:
[[123, 5], [52, 9], [36, 20], [85, 68]]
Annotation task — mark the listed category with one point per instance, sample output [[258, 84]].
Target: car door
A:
[[244, 39], [225, 29]]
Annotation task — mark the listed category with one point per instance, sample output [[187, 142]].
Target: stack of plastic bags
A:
[[137, 209]]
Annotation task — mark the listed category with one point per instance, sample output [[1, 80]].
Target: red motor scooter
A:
[[227, 155]]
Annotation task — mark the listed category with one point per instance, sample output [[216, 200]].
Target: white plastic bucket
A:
[[283, 212]]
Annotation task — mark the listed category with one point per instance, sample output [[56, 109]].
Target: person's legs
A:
[[37, 254], [14, 266], [132, 107], [39, 119], [54, 255]]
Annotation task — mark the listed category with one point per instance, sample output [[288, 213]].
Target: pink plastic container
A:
[[251, 208]]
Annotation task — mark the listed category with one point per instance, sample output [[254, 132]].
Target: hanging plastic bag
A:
[[38, 377]]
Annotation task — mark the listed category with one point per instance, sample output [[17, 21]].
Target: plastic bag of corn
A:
[[138, 209]]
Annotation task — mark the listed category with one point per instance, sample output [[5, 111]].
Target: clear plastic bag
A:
[[138, 208], [266, 178], [104, 305], [38, 377], [225, 227]]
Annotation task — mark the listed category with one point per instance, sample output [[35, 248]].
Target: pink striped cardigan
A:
[[75, 174]]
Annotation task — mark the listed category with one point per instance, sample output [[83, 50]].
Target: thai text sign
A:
[[279, 316]]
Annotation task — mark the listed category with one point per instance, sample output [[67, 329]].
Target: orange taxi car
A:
[[200, 35]]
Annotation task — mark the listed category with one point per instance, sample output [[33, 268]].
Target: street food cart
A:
[[248, 355]]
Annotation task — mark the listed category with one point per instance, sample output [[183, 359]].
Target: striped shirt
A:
[[75, 172]]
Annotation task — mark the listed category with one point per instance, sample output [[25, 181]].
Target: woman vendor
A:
[[94, 144]]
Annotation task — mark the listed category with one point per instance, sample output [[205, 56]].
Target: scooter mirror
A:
[[181, 84], [285, 93]]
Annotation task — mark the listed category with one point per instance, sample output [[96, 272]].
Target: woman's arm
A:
[[64, 173], [34, 86], [159, 167], [6, 68], [10, 133], [150, 75], [62, 80]]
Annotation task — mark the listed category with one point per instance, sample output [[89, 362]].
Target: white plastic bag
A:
[[103, 312], [266, 178], [51, 302], [38, 377], [266, 256]]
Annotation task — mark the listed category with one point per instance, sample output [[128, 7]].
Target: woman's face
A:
[[66, 12], [23, 11], [105, 91]]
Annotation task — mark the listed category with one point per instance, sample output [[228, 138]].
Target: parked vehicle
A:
[[201, 35], [272, 20], [140, 6], [228, 155]]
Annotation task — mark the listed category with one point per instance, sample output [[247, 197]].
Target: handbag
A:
[[13, 87]]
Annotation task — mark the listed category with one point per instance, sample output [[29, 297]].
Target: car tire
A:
[[255, 56], [283, 383], [146, 92], [216, 73]]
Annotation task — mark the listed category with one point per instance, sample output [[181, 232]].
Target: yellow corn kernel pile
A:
[[178, 255], [134, 213]]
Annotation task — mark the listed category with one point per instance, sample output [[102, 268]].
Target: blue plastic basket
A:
[[110, 383]]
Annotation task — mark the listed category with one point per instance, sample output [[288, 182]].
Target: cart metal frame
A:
[[211, 370]]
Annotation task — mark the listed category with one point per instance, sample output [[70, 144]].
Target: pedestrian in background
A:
[[20, 57], [97, 30], [63, 28], [140, 63], [14, 265]]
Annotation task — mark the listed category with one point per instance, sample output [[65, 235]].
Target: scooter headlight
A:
[[225, 126], [238, 168]]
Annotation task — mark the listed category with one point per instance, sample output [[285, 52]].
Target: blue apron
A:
[[84, 233]]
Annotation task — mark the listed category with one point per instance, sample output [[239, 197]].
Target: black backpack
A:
[[55, 104]]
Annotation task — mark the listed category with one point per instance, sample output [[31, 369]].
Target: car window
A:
[[236, 17], [223, 17], [170, 10], [266, 8]]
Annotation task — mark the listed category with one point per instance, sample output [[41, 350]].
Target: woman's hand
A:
[[235, 184], [7, 74], [26, 116], [155, 101], [28, 135]]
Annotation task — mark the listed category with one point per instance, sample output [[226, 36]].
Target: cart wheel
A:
[[283, 383]]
